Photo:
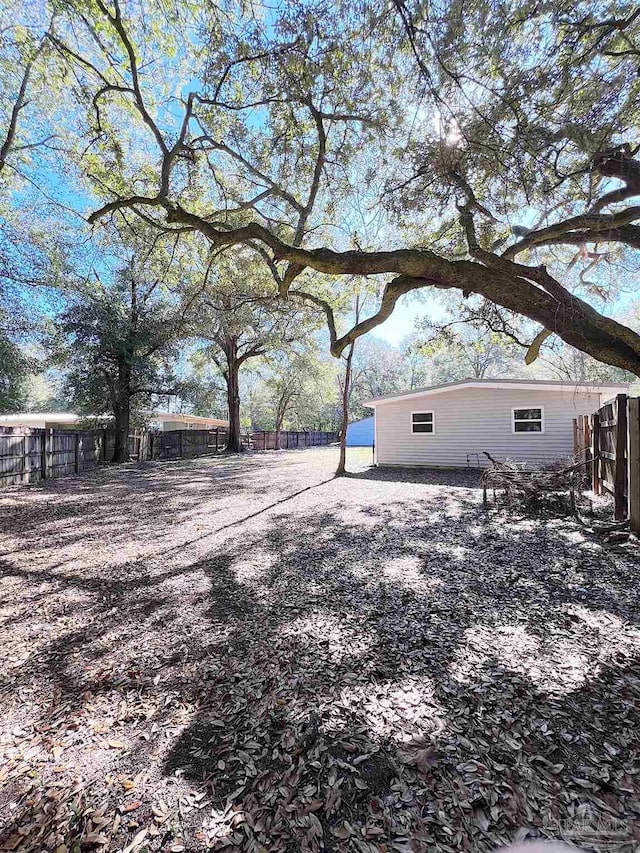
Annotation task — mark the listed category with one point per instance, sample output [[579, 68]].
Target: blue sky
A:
[[402, 322]]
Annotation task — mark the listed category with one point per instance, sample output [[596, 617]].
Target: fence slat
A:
[[595, 474], [634, 463], [620, 476]]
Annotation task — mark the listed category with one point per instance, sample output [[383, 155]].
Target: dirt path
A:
[[248, 654]]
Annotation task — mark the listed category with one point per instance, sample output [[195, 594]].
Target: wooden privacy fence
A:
[[608, 441], [31, 455], [182, 443], [289, 439]]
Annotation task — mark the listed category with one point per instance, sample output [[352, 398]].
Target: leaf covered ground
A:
[[249, 655]]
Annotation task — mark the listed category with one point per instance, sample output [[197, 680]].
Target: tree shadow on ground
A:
[[407, 671], [468, 478], [102, 506]]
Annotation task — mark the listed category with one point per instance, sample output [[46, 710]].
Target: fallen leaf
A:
[[137, 841], [94, 839]]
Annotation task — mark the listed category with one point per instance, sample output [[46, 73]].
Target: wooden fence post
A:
[[26, 459], [180, 443], [49, 443], [43, 454], [216, 439], [77, 453], [597, 488], [633, 484], [620, 480], [586, 425]]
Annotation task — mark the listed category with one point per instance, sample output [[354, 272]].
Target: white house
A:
[[451, 425], [42, 420], [169, 421], [162, 421]]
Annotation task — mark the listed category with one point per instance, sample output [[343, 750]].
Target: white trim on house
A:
[[432, 431], [539, 420], [611, 388], [375, 439]]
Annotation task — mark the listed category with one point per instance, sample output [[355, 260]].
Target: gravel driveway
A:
[[247, 654]]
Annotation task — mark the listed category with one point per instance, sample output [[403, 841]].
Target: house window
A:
[[422, 422], [528, 420]]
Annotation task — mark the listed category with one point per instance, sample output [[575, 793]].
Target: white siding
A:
[[472, 420], [171, 426]]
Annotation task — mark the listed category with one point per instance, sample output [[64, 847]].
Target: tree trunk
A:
[[346, 393], [232, 377], [122, 414], [341, 469], [121, 446], [281, 409]]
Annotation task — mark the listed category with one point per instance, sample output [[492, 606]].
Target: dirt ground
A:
[[247, 654]]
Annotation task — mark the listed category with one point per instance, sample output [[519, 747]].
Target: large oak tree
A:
[[500, 139]]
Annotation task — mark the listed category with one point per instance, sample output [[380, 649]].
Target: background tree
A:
[[115, 344], [14, 371], [477, 339], [201, 389], [293, 384], [378, 368], [558, 361], [316, 403], [415, 363], [459, 350], [243, 320], [116, 340]]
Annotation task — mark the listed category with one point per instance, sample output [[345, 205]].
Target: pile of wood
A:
[[530, 489]]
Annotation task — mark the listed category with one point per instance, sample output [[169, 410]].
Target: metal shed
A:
[[361, 433]]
